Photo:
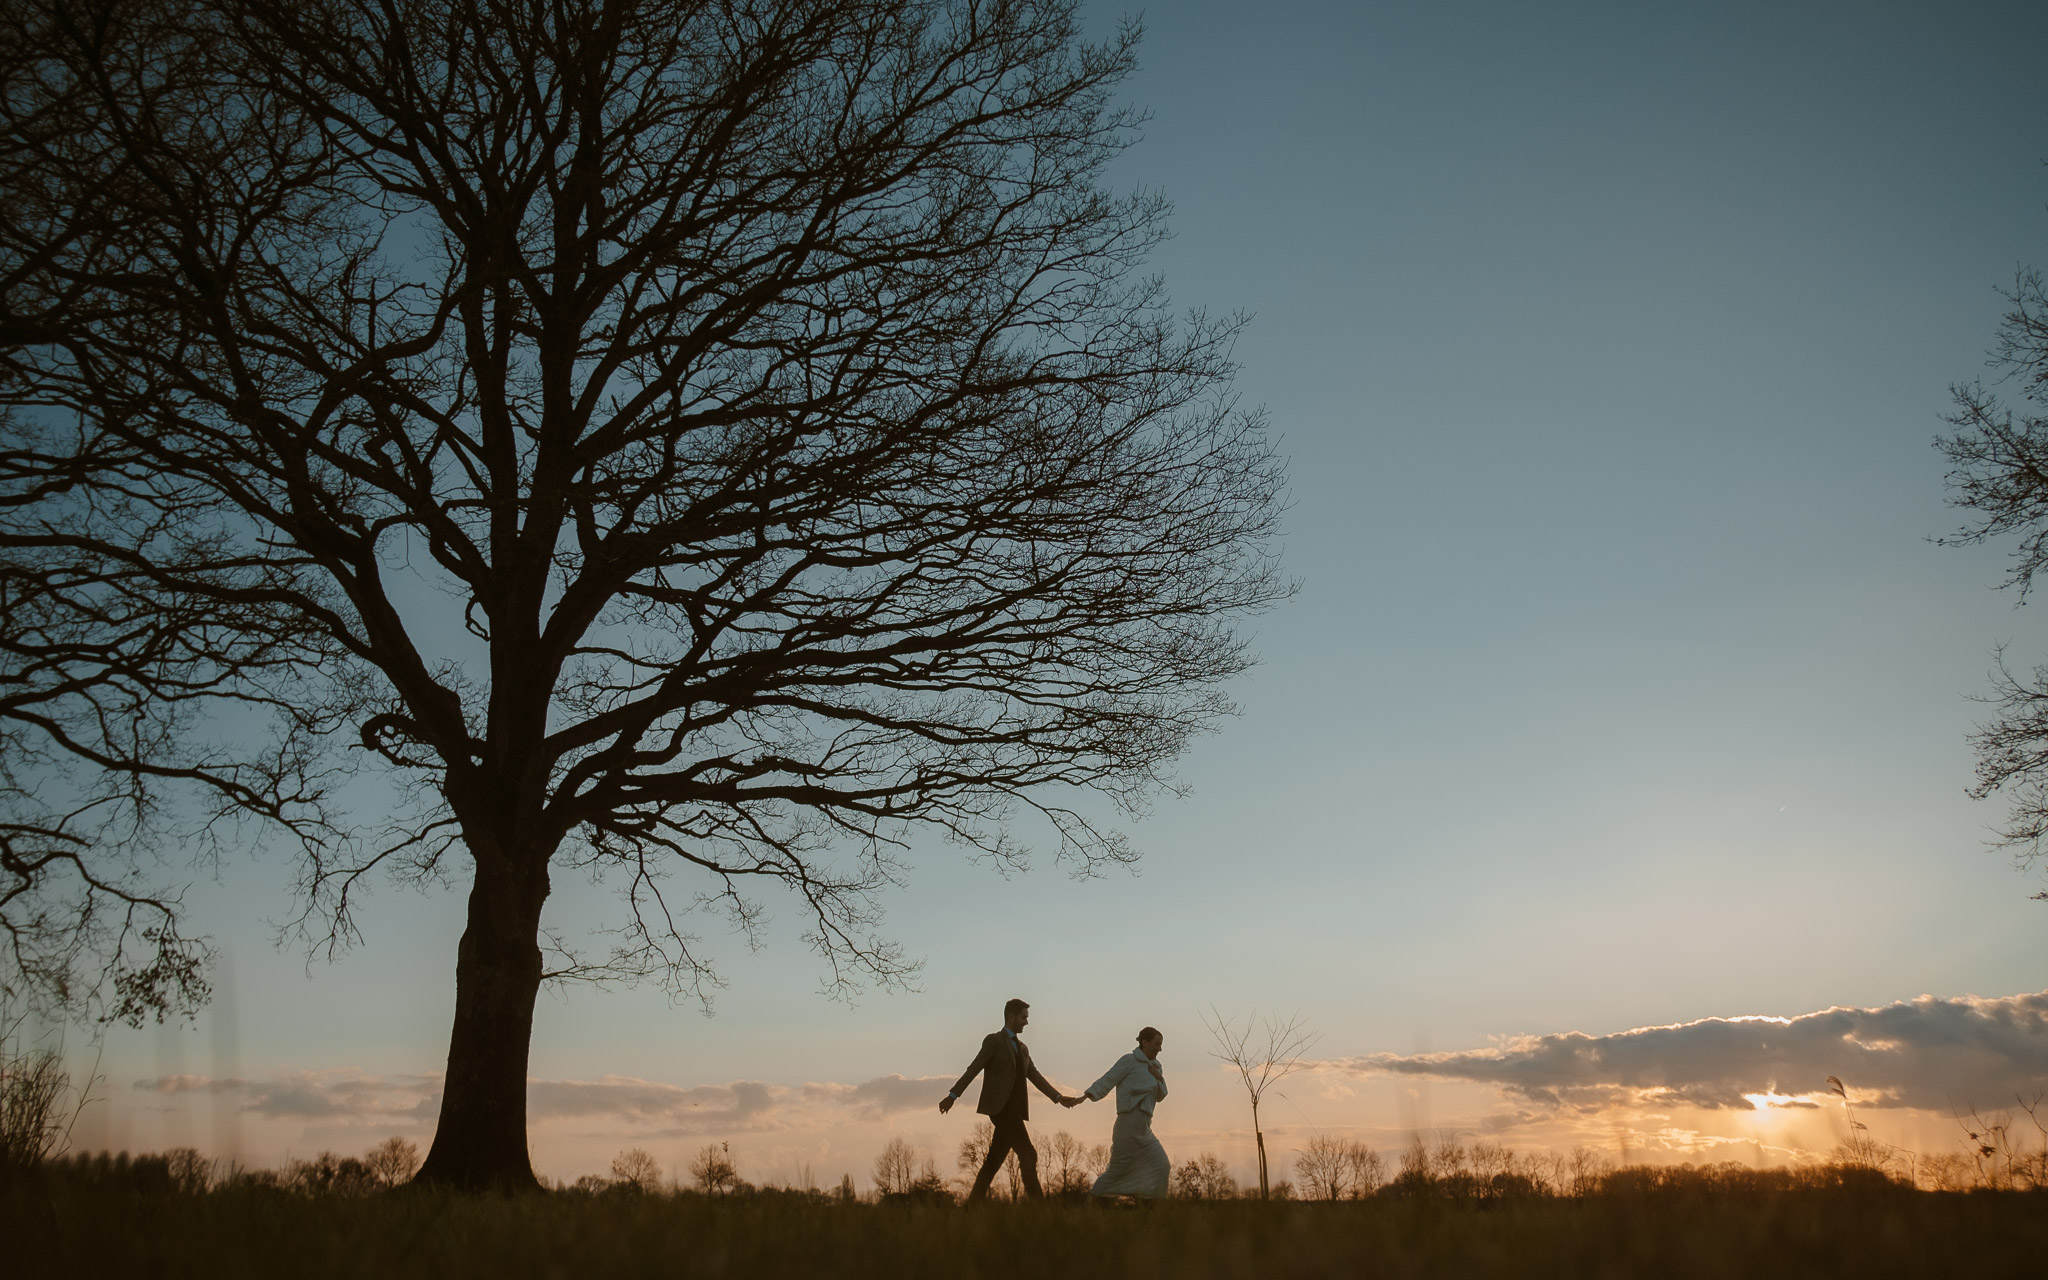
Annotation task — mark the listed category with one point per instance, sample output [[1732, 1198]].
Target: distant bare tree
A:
[[677, 441], [1498, 1172], [713, 1169], [1368, 1170], [1333, 1167], [1066, 1163], [898, 1167], [974, 1150], [1204, 1178], [1260, 1062], [1448, 1159], [393, 1160], [190, 1172], [1999, 1146], [637, 1169], [1492, 1160], [1948, 1171], [1415, 1162], [1582, 1172], [1322, 1167], [2037, 1159]]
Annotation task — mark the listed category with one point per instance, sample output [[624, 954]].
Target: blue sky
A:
[[1625, 686]]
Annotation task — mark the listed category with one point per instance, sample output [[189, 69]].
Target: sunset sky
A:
[[1625, 687]]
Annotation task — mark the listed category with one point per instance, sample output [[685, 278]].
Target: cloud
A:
[[662, 1109], [346, 1096], [647, 1107], [1932, 1053], [191, 1084], [741, 1107], [883, 1096]]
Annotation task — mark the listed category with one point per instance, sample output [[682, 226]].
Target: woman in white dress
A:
[[1137, 1163]]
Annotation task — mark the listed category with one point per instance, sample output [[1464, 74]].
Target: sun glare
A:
[[1765, 1101]]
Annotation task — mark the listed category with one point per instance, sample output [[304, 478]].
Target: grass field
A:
[[51, 1229]]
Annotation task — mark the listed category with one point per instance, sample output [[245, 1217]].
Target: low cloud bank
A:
[[647, 1107], [345, 1096], [1933, 1053], [883, 1096]]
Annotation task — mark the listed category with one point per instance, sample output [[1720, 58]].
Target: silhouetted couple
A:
[[1137, 1163]]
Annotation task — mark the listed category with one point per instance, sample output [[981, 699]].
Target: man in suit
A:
[[1004, 1065]]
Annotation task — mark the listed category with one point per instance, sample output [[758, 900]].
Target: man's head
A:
[[1015, 1014]]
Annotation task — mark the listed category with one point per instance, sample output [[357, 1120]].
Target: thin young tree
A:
[[1263, 1053], [974, 1150], [699, 444]]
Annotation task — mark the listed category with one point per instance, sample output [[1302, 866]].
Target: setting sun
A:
[[1766, 1101]]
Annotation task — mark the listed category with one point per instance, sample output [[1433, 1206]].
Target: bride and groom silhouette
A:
[[1137, 1163]]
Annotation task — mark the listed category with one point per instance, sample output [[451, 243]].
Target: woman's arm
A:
[[1110, 1078]]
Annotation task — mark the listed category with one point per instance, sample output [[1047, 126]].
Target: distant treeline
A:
[[1329, 1168]]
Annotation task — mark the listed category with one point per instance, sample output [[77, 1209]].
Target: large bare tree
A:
[[701, 443]]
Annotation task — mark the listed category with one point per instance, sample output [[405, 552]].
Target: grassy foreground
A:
[[50, 1230]]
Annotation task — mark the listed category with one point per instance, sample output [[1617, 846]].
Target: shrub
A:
[[33, 1086]]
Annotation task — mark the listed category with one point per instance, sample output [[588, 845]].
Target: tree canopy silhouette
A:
[[693, 442], [121, 660], [1998, 469]]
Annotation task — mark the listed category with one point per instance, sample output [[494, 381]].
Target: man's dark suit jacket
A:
[[1000, 1079]]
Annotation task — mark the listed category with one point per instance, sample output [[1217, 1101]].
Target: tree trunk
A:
[[480, 1142], [1259, 1137]]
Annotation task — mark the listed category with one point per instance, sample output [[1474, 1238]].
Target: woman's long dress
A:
[[1137, 1163]]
